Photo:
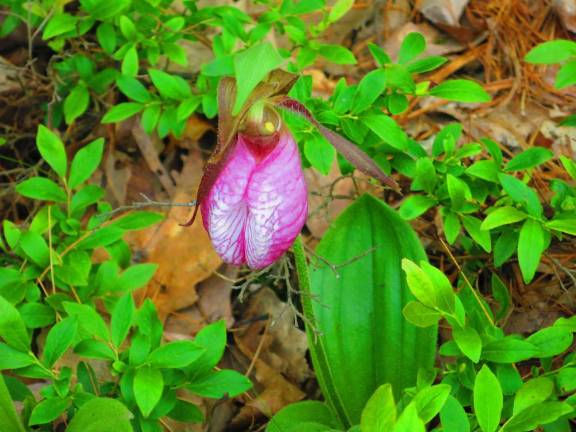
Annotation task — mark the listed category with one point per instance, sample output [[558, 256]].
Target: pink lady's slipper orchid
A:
[[253, 196]]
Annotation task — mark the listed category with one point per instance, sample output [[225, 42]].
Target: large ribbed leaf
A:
[[362, 340]]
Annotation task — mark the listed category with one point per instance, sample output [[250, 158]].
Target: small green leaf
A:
[[48, 410], [137, 220], [387, 130], [150, 117], [521, 193], [302, 416], [551, 341], [488, 400], [148, 388], [426, 64], [134, 277], [529, 158], [531, 245], [340, 8], [127, 27], [502, 216], [59, 24], [533, 392], [369, 89], [430, 400], [41, 188], [379, 414], [9, 419], [552, 52], [133, 88], [566, 75], [170, 86], [122, 317], [541, 414], [106, 36], [420, 315], [76, 103], [409, 421], [469, 342], [130, 62], [90, 323], [177, 354], [415, 205], [481, 237], [250, 68], [453, 417], [412, 46], [58, 340], [186, 412], [35, 248], [52, 150], [563, 224], [85, 162], [337, 54], [121, 112], [458, 190], [460, 91], [485, 170], [11, 358], [101, 415], [508, 350], [379, 55], [569, 166], [319, 152], [12, 328], [219, 384]]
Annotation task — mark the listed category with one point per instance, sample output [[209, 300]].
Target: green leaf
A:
[[75, 269], [218, 384], [508, 350], [101, 415], [102, 10], [397, 103], [137, 220], [412, 46], [533, 392], [92, 348], [76, 103], [529, 158], [251, 66], [379, 55], [409, 421], [41, 188], [133, 88], [563, 224], [502, 216], [148, 388], [569, 166], [425, 178], [127, 28], [387, 130], [121, 320], [551, 52], [121, 112], [90, 323], [58, 340], [531, 245], [170, 86], [295, 417], [453, 417], [11, 358], [458, 190], [551, 341], [52, 150], [35, 248], [380, 411], [369, 89], [106, 36], [485, 170], [135, 277], [460, 91], [481, 237], [319, 152], [488, 400], [521, 193], [12, 328], [150, 117], [85, 163], [175, 53], [426, 64], [452, 226], [186, 412], [340, 8], [420, 315], [415, 205], [177, 354], [337, 54], [469, 342], [363, 303], [212, 338], [59, 24], [430, 400], [540, 414], [9, 419], [48, 410], [130, 62], [569, 121], [505, 246]]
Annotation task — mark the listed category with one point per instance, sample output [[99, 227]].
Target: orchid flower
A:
[[253, 196]]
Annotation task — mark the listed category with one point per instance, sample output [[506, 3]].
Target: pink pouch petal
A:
[[224, 209], [277, 204]]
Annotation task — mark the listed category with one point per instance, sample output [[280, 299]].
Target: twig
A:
[[147, 203]]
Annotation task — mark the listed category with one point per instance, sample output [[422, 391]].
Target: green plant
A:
[[50, 286]]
